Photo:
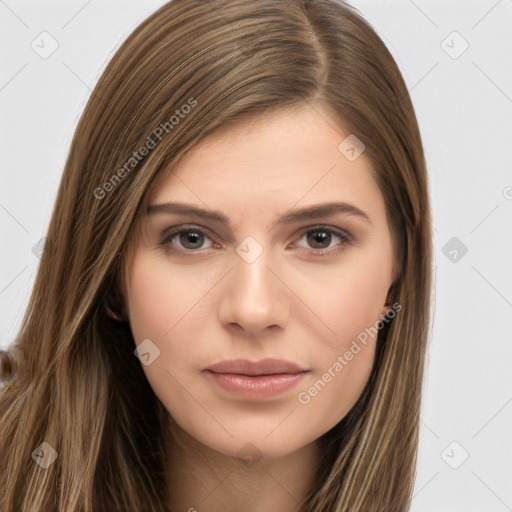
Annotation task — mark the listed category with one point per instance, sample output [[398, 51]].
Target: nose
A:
[[255, 297]]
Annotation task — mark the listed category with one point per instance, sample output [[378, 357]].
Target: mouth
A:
[[255, 380], [264, 367]]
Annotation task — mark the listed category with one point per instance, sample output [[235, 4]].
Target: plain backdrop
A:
[[455, 57]]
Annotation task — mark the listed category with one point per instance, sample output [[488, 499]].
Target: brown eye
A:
[[186, 239], [194, 238], [319, 239]]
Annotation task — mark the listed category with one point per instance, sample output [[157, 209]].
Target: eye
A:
[[188, 239], [321, 237]]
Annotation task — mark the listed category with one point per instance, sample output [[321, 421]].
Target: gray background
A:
[[463, 100]]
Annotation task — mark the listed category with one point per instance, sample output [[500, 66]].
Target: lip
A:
[[256, 368], [256, 380]]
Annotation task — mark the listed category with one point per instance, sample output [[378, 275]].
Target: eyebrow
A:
[[299, 215]]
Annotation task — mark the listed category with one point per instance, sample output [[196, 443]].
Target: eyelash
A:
[[343, 235]]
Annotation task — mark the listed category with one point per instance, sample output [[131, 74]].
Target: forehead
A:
[[270, 163]]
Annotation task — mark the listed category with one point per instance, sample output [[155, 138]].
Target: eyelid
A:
[[169, 233], [345, 236], [332, 229]]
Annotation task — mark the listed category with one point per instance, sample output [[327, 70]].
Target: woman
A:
[[259, 369]]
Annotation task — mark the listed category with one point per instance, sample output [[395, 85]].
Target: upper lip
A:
[[253, 368]]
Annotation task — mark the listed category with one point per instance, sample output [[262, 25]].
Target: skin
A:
[[206, 304]]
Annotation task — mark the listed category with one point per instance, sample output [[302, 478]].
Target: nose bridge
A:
[[256, 297], [257, 272], [253, 278]]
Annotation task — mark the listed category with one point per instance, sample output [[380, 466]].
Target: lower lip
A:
[[255, 388]]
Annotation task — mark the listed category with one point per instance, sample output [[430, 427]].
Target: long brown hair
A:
[[190, 68]]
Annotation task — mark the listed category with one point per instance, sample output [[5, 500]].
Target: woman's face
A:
[[265, 283]]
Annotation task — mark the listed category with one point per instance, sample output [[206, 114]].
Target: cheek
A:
[[343, 361], [153, 313], [331, 393], [151, 308], [346, 299], [350, 303], [165, 307], [146, 310]]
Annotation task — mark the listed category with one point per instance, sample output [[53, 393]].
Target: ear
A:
[[390, 297], [114, 303], [115, 309]]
